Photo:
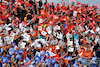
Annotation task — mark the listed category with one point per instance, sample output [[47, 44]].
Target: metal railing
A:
[[89, 60]]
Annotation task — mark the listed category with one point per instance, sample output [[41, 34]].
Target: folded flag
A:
[[33, 62], [84, 61], [27, 59], [37, 59], [5, 60], [53, 60], [18, 56], [1, 50], [14, 44], [80, 59], [47, 54], [8, 55], [56, 65], [94, 58], [11, 51], [42, 58], [75, 65], [20, 51], [42, 52], [70, 58], [47, 61], [31, 65]]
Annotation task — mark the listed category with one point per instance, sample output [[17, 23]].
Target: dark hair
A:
[[59, 24]]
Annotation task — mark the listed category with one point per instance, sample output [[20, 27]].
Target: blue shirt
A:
[[76, 36]]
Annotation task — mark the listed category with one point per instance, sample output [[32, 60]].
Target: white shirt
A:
[[26, 37], [75, 13], [68, 36], [69, 43], [59, 36]]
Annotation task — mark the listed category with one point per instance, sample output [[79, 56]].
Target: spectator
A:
[[35, 6], [88, 53], [97, 52], [81, 52], [51, 35], [40, 5]]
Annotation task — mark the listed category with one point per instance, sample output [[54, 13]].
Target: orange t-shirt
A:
[[81, 54], [88, 54], [84, 41]]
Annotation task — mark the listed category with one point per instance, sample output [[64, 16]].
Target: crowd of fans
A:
[[36, 34]]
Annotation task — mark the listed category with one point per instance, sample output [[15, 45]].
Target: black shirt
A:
[[37, 20], [0, 64], [34, 4], [96, 47], [18, 40], [98, 54], [19, 12], [29, 17], [52, 7], [40, 3], [34, 51], [31, 2]]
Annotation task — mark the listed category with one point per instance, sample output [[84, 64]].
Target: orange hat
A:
[[82, 47]]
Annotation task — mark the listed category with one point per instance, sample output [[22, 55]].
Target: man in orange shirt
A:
[[81, 52], [88, 53]]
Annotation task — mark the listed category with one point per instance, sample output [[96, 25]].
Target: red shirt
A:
[[91, 24], [57, 57], [57, 8], [25, 53]]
